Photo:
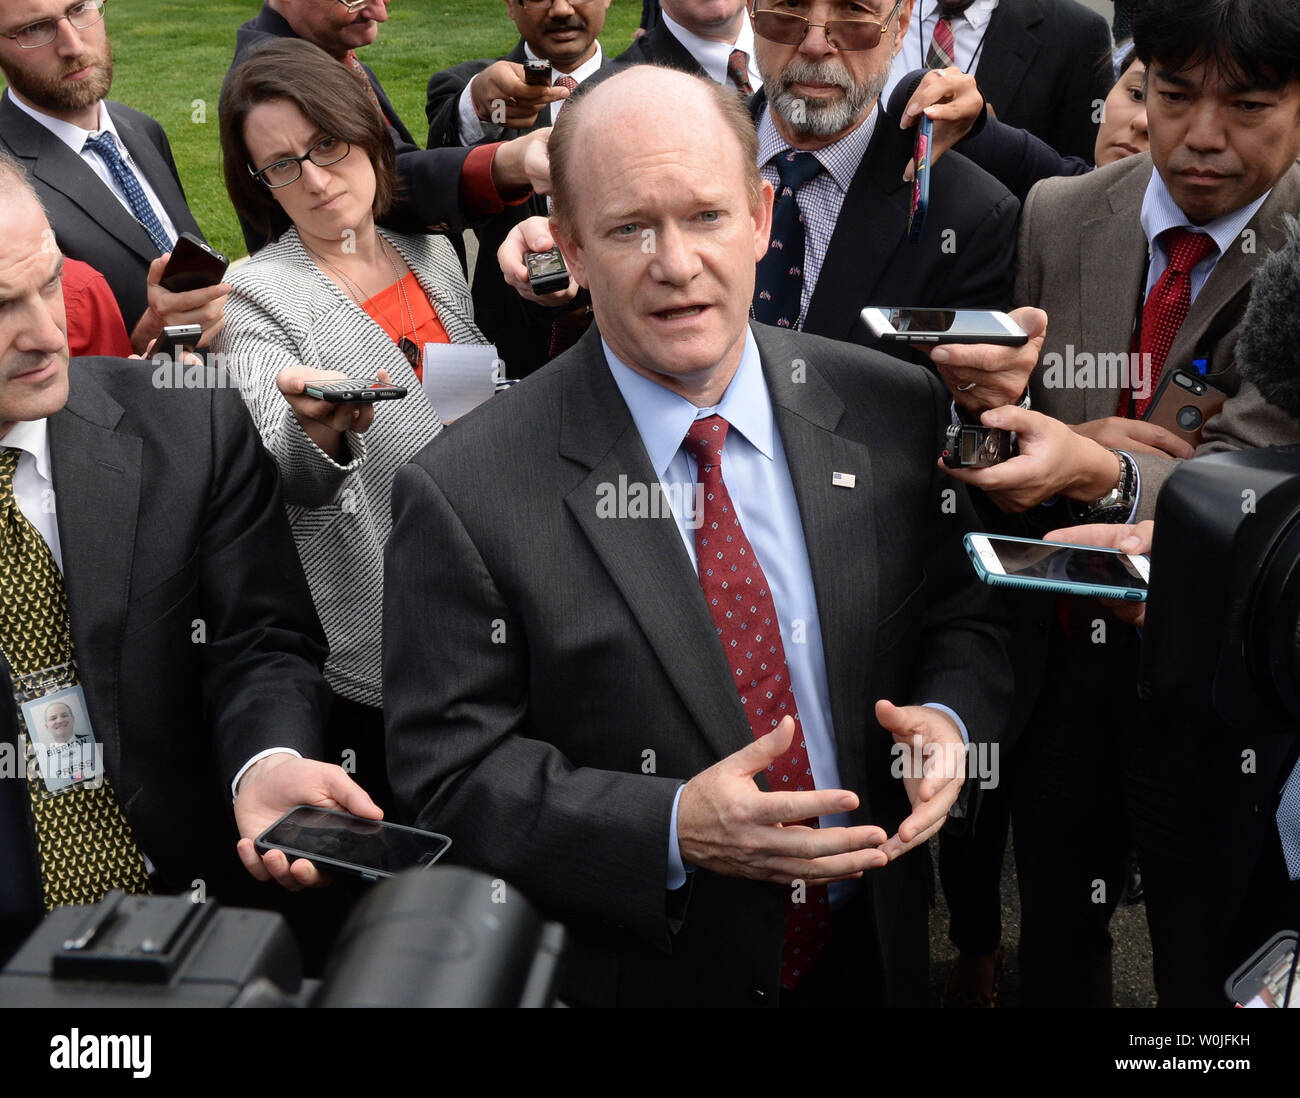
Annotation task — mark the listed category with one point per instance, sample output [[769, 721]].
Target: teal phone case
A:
[[1059, 587]]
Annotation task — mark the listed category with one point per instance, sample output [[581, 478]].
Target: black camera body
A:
[[1222, 634]]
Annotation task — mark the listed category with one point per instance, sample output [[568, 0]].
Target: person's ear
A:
[[762, 220], [572, 252]]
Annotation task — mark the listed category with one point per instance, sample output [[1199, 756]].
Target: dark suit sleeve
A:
[[442, 102], [1016, 158], [961, 660], [262, 685], [983, 276], [583, 841], [1087, 84]]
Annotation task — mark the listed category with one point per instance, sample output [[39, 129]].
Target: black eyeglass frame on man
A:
[[789, 29]]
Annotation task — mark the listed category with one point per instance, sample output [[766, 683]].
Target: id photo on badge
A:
[[62, 739]]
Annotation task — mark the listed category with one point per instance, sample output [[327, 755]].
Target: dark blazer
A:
[[89, 222], [170, 518], [430, 199], [520, 329], [660, 47], [520, 724], [870, 260], [1045, 66]]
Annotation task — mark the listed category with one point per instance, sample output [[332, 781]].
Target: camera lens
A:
[[1189, 417]]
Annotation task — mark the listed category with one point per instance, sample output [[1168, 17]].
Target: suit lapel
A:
[[871, 225], [97, 474], [1229, 283], [62, 170], [1010, 47], [1112, 264], [839, 527], [150, 161], [644, 557]]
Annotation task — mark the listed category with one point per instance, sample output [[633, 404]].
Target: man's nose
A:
[[675, 258]]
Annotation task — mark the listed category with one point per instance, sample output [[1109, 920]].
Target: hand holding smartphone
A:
[[193, 266], [898, 325], [1058, 568]]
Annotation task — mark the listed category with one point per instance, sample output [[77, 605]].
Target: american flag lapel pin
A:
[[844, 480]]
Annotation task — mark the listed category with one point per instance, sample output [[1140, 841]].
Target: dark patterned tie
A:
[[565, 82], [105, 148], [740, 602], [84, 841], [738, 72], [359, 71], [1170, 301], [778, 287]]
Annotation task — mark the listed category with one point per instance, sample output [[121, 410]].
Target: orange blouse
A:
[[388, 309]]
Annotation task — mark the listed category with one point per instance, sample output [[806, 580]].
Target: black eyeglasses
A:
[[842, 34], [326, 151], [83, 15]]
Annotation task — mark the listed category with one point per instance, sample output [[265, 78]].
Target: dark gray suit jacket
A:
[[89, 222], [169, 516], [551, 676]]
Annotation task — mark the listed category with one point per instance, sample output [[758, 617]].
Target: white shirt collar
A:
[[69, 133], [1160, 213], [33, 437], [580, 73], [712, 55], [977, 15]]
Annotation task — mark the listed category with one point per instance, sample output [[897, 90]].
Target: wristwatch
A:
[[1117, 504]]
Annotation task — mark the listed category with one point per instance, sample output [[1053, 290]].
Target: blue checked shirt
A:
[[821, 200]]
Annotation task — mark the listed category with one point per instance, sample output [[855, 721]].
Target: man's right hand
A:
[[726, 824], [533, 234], [1136, 436], [205, 307], [502, 97]]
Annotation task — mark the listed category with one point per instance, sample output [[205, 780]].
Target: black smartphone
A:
[[920, 178], [176, 339], [537, 73], [1183, 403], [547, 272], [367, 848], [944, 326], [193, 265], [353, 390], [1268, 979], [975, 446]]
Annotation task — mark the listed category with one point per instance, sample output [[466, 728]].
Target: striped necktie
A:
[[84, 841]]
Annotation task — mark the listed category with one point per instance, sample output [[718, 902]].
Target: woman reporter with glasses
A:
[[309, 164]]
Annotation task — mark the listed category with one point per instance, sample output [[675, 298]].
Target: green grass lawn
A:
[[170, 57]]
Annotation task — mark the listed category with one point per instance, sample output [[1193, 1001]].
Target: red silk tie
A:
[[738, 72], [1170, 301], [354, 63], [740, 601]]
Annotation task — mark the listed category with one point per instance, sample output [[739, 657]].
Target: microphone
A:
[[1268, 349]]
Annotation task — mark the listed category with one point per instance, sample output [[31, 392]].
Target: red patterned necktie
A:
[[1170, 301], [565, 82], [738, 72], [354, 63], [745, 615], [942, 49]]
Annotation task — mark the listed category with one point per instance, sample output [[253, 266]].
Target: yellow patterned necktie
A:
[[84, 841]]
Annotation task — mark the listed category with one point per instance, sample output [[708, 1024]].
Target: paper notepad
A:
[[459, 377]]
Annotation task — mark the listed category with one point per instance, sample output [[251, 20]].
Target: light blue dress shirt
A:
[[757, 476]]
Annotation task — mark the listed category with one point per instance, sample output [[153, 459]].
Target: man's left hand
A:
[[1053, 461], [984, 375], [933, 737], [277, 783]]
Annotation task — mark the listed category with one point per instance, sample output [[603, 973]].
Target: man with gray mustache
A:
[[836, 160]]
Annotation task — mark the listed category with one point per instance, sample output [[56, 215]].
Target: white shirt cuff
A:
[[472, 129], [234, 786]]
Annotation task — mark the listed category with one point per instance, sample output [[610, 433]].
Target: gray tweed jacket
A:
[[284, 311]]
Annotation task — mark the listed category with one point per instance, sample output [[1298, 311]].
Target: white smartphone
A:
[[1059, 567], [943, 326]]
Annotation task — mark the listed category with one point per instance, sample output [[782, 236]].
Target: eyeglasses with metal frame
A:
[[789, 29], [82, 16]]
